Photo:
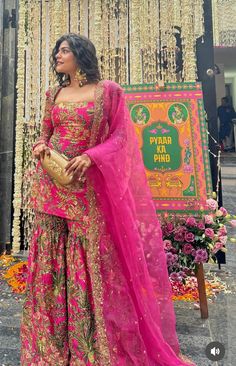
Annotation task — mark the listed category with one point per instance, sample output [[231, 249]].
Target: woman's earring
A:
[[81, 77]]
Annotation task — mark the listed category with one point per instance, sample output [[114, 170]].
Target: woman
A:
[[98, 289]]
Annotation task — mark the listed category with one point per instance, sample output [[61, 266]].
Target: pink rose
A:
[[223, 239], [212, 204], [201, 225], [224, 211], [191, 221], [189, 237], [182, 229], [201, 256], [170, 227], [218, 245], [222, 231], [179, 233], [179, 236], [171, 259], [167, 244], [208, 219], [187, 249], [210, 233], [233, 223]]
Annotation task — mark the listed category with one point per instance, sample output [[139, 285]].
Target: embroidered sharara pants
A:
[[58, 327]]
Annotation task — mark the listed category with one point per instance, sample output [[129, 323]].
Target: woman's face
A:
[[65, 59]]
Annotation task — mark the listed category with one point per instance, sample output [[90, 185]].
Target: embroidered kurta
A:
[[66, 128]]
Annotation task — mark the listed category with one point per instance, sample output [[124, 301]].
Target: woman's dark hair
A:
[[85, 54]]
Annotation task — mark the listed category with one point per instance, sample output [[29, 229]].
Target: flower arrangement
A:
[[190, 241], [188, 291]]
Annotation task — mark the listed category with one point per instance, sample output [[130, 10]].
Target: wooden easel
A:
[[202, 291]]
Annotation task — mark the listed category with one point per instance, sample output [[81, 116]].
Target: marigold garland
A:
[[16, 277], [6, 260]]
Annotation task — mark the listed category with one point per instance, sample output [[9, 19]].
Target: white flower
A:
[[219, 213]]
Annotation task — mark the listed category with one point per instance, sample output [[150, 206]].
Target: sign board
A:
[[172, 134]]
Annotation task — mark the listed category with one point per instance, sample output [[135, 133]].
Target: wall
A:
[[225, 58], [230, 78], [220, 84], [7, 121]]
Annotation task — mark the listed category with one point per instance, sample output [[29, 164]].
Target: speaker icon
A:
[[215, 351]]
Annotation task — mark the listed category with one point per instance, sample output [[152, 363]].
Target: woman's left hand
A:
[[78, 166]]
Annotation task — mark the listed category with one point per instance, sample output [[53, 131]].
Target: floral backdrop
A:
[[137, 41]]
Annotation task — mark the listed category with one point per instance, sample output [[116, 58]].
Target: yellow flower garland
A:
[[17, 200]]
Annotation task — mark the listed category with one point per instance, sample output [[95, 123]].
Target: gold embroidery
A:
[[65, 197], [69, 104], [74, 207], [93, 257], [98, 113], [77, 128], [46, 128], [96, 226]]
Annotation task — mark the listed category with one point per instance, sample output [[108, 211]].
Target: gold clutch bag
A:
[[55, 164]]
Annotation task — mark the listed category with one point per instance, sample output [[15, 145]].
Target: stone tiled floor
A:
[[10, 312], [194, 333]]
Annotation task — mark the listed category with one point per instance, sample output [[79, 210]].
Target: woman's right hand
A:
[[40, 150]]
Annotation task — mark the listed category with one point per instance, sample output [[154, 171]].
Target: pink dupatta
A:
[[135, 299]]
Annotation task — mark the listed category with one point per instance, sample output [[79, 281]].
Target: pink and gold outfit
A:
[[98, 291]]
